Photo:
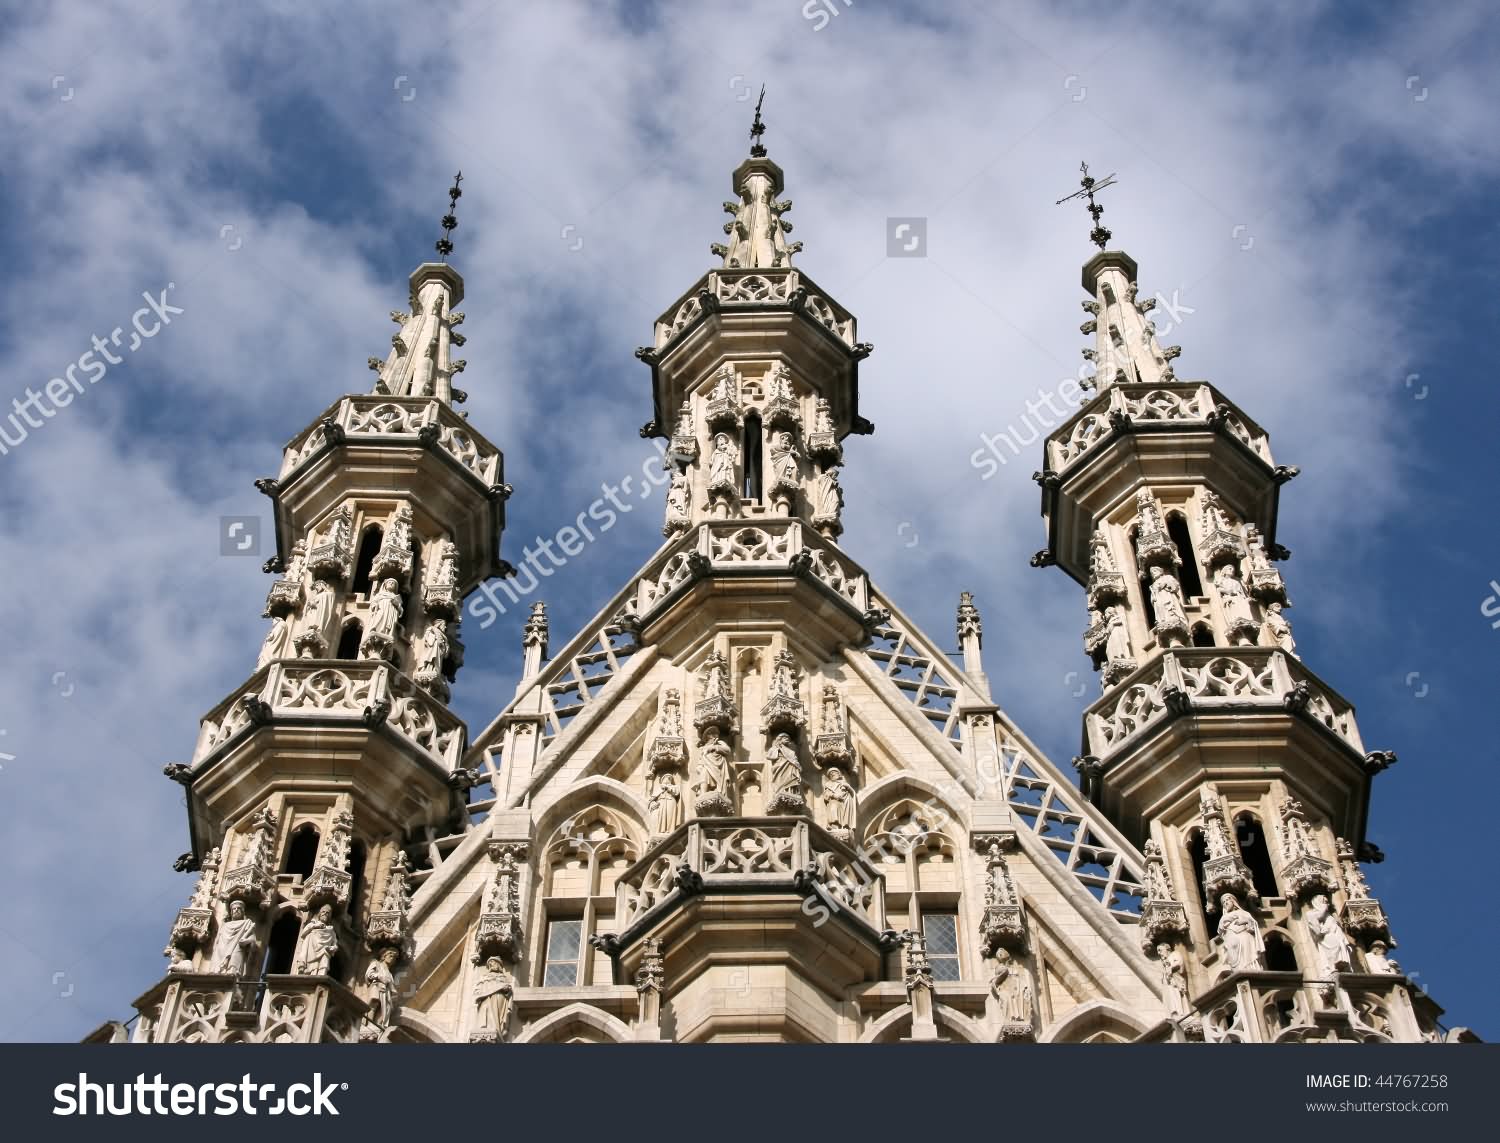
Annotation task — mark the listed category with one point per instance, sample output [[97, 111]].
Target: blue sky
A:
[[1316, 183]]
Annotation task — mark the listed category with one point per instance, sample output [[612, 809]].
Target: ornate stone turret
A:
[[314, 774], [1213, 745]]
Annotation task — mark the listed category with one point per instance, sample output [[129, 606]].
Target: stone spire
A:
[[1125, 347], [757, 232]]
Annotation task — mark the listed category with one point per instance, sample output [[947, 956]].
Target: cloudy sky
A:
[[1312, 185]]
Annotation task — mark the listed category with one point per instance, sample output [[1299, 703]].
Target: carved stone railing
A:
[[338, 689], [1191, 404], [1210, 678], [201, 1008], [741, 853], [1284, 1008], [754, 288], [377, 419], [786, 546], [919, 670], [1100, 860]]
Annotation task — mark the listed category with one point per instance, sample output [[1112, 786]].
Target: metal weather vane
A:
[[1099, 236], [444, 245], [758, 128]]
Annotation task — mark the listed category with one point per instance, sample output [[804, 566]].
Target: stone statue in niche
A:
[[276, 641], [316, 944], [1166, 602], [1376, 959], [1244, 948], [722, 467], [432, 652], [312, 640], [664, 802], [235, 942], [1173, 979], [784, 776], [493, 989], [1236, 603], [1280, 629], [677, 503], [713, 786], [784, 471], [1117, 643], [838, 802], [1011, 987], [380, 985], [385, 616], [1328, 937], [828, 503]]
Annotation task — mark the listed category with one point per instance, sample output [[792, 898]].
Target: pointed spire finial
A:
[[1099, 236], [444, 245], [758, 128]]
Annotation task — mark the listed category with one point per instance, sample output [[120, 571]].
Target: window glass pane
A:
[[564, 939], [941, 931]]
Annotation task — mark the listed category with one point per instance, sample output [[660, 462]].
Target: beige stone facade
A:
[[750, 800]]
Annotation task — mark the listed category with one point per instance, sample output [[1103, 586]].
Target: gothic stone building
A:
[[750, 800]]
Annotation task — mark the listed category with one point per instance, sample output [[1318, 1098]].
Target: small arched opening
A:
[[751, 455], [302, 851], [349, 641], [369, 546], [281, 947], [1203, 635], [1250, 836], [1177, 529], [1280, 956], [357, 856]]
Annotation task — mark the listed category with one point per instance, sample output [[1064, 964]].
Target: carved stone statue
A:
[[783, 773], [312, 640], [493, 989], [827, 501], [385, 615], [721, 466], [1166, 601], [664, 802], [1117, 644], [235, 942], [713, 767], [1376, 959], [838, 801], [1280, 629], [1235, 601], [433, 650], [380, 985], [1244, 948], [1334, 949], [677, 502], [316, 944], [276, 640], [784, 471], [1173, 979], [1011, 987]]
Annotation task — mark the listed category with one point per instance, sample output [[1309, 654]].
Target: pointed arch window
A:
[[1177, 529], [354, 632], [357, 857], [281, 946], [1250, 836], [1144, 581], [302, 851], [1197, 849], [751, 456], [1280, 956], [369, 546]]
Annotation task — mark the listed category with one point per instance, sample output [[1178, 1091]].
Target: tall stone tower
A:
[[307, 780], [1213, 746], [750, 799]]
